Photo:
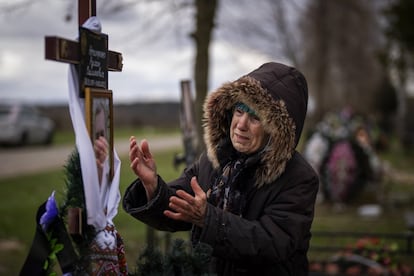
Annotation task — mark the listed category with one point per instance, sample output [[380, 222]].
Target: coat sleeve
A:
[[151, 212], [277, 229]]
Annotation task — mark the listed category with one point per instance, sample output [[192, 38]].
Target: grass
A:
[[21, 196], [68, 137]]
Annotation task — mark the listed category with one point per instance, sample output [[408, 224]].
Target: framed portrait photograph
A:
[[99, 121]]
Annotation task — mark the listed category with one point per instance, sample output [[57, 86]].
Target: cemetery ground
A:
[[21, 195]]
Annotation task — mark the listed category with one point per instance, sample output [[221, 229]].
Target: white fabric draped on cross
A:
[[97, 197]]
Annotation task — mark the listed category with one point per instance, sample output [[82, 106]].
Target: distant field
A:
[[68, 136]]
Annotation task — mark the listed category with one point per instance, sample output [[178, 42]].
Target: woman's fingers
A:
[[133, 148], [145, 150], [198, 191], [187, 207]]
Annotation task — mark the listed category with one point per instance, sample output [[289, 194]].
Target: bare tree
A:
[[399, 59], [341, 39], [206, 10], [286, 30]]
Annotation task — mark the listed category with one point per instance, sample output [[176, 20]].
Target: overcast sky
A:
[[152, 67]]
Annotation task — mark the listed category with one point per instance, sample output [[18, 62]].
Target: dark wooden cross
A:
[[65, 50], [69, 51]]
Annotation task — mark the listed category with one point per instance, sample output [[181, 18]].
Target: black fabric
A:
[[40, 248], [38, 251]]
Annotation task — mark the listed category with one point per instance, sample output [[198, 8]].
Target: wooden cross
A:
[[65, 50], [71, 51]]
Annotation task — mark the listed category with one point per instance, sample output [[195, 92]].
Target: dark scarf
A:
[[225, 193], [228, 192]]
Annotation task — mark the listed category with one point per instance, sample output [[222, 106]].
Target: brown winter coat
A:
[[271, 237]]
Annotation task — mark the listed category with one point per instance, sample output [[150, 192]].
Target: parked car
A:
[[23, 124]]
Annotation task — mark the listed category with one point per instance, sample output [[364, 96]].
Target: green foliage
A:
[[149, 263], [201, 258], [181, 260], [74, 184], [74, 197], [52, 258]]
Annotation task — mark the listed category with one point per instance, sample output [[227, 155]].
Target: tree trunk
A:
[[321, 66], [206, 10]]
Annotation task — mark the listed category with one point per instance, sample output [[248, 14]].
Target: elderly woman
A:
[[251, 195]]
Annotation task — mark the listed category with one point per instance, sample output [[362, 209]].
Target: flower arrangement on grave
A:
[[384, 256], [63, 235], [341, 149], [367, 256], [377, 250]]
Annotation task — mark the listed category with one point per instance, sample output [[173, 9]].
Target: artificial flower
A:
[[51, 212]]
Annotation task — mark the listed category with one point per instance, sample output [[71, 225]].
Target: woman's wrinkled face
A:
[[246, 131]]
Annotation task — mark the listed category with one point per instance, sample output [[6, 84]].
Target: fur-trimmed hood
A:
[[279, 96]]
